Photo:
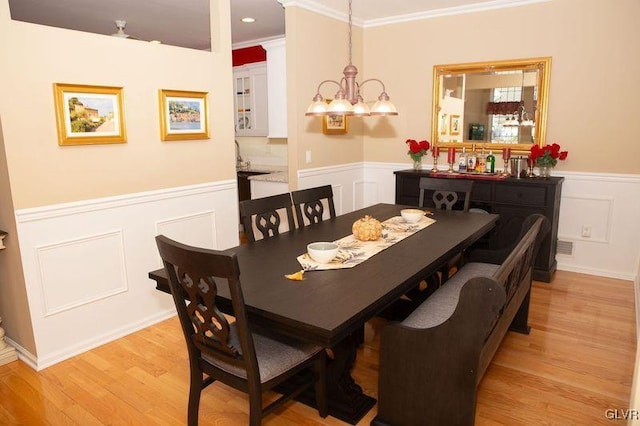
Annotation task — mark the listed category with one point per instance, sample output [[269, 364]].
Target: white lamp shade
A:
[[361, 109], [318, 107], [340, 107], [384, 107]]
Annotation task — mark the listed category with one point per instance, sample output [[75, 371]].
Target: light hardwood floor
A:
[[577, 362]]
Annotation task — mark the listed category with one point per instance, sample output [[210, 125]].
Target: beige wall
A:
[[14, 307], [43, 173], [36, 171], [594, 46], [317, 51]]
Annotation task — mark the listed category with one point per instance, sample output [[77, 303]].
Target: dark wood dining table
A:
[[330, 307]]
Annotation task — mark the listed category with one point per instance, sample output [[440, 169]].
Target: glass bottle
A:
[[471, 160], [481, 162], [491, 162], [462, 163]]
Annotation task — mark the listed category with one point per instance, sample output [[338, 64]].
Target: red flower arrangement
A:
[[548, 155], [417, 149]]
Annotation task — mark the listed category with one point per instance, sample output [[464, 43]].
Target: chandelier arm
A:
[[373, 79], [329, 81]]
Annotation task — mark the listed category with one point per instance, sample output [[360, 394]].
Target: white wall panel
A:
[[197, 230], [81, 271], [341, 178], [86, 264]]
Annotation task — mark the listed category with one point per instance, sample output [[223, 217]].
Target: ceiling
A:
[[186, 23]]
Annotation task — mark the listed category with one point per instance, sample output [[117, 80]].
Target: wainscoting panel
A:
[[98, 266], [341, 178], [607, 205], [86, 264], [197, 230]]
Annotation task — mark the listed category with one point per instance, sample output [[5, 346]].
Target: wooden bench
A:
[[432, 362]]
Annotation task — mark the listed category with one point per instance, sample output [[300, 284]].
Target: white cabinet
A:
[[250, 88], [277, 84]]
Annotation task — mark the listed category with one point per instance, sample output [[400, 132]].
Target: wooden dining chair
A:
[[232, 353], [310, 204], [267, 217], [446, 193]]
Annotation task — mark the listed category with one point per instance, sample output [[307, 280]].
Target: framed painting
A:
[[454, 125], [334, 124], [183, 115], [87, 115]]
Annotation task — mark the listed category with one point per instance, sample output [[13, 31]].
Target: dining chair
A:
[[266, 217], [446, 193], [449, 194], [310, 204], [232, 353]]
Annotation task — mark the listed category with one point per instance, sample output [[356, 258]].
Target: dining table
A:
[[330, 307]]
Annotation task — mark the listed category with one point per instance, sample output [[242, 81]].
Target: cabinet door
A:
[[250, 99]]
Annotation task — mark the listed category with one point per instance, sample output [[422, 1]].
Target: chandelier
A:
[[347, 100]]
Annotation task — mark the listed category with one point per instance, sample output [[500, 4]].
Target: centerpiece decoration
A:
[[546, 157], [367, 229], [416, 151]]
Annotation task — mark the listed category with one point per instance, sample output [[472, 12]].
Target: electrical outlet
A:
[[308, 157], [586, 231]]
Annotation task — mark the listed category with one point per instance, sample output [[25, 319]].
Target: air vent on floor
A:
[[565, 247]]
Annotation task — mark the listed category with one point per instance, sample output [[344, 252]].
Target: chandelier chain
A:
[[350, 25]]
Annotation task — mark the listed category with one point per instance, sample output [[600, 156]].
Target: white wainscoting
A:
[[346, 181], [608, 204], [86, 263]]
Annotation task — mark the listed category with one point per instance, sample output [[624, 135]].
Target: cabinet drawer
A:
[[520, 194]]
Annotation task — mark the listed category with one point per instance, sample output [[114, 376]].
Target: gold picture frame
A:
[[334, 124], [454, 125], [183, 115], [89, 115]]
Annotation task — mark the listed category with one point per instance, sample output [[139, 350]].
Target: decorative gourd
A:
[[367, 229]]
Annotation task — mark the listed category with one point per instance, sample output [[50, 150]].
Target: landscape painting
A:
[[183, 115], [89, 114]]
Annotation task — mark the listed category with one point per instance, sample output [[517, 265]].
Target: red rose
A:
[[424, 145], [414, 147], [563, 155]]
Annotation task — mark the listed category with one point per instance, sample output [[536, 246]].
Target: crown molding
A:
[[321, 10], [428, 14]]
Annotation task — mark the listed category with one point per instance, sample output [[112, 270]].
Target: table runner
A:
[[352, 252]]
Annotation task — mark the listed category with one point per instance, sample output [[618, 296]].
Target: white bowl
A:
[[411, 215], [322, 252]]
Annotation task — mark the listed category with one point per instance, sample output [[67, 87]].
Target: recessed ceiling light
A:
[[155, 42], [248, 20]]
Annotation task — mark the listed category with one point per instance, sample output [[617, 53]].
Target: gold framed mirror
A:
[[491, 104]]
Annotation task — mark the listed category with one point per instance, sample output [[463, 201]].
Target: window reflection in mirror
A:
[[496, 103]]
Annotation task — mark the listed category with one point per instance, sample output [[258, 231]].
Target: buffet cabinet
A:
[[514, 200]]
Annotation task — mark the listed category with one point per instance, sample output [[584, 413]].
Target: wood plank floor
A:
[[577, 362]]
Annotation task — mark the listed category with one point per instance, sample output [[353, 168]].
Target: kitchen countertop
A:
[[270, 173]]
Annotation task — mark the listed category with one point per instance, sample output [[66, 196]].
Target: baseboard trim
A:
[[24, 355], [596, 272], [40, 363]]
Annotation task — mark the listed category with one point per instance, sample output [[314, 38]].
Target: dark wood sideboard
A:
[[514, 200]]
